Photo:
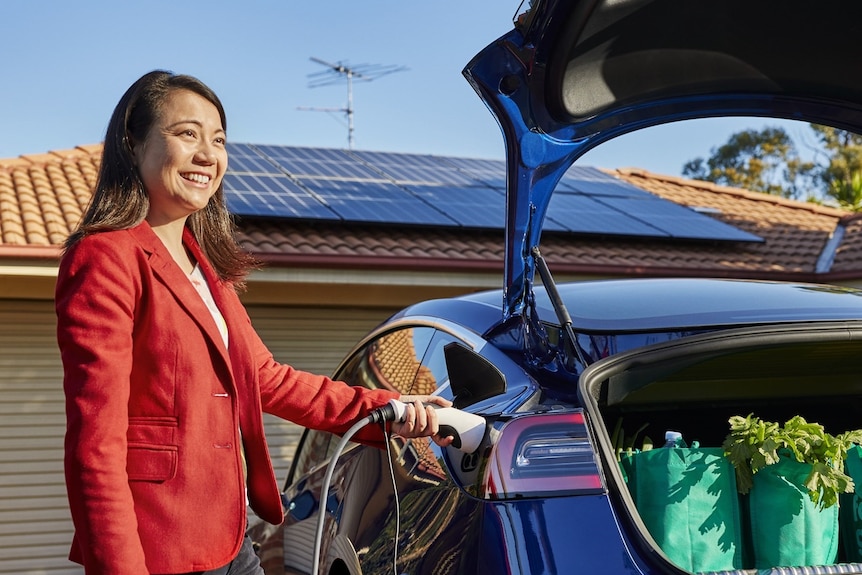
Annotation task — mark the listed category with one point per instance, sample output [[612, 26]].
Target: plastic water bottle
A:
[[673, 439]]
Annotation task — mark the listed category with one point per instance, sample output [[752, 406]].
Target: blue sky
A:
[[67, 63]]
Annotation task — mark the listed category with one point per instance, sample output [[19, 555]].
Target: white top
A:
[[200, 283]]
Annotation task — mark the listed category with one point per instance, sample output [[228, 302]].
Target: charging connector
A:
[[394, 410], [466, 429]]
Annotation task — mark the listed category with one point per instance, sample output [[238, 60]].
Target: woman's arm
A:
[[94, 307], [318, 402]]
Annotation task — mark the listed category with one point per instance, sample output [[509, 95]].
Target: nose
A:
[[207, 153]]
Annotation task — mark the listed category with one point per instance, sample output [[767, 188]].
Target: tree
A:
[[763, 161], [767, 161], [841, 175], [848, 194]]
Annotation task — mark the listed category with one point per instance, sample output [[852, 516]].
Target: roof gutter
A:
[[30, 252], [378, 262], [559, 269], [51, 254]]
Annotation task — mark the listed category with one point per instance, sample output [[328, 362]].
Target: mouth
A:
[[196, 178]]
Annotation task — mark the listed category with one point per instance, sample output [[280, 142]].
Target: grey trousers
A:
[[245, 563]]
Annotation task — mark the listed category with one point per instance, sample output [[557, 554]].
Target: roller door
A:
[[312, 339], [35, 527]]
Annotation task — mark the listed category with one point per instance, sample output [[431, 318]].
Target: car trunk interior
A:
[[696, 394], [694, 388]]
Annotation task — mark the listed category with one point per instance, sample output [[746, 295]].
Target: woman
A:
[[165, 378]]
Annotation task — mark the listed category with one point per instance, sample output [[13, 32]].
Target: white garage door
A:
[[312, 339], [35, 527]]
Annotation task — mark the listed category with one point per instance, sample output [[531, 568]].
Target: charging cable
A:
[[380, 415], [397, 503], [466, 429]]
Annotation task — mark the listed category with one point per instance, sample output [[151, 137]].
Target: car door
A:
[[428, 528]]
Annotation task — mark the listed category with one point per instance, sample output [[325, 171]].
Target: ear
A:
[[133, 150]]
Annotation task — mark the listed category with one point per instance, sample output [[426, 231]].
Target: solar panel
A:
[[255, 186], [468, 207], [594, 182], [379, 202], [416, 189], [490, 172], [404, 168], [243, 158], [619, 208], [318, 163], [269, 195], [583, 214], [680, 221]]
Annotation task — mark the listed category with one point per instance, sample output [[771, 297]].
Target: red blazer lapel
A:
[[176, 281]]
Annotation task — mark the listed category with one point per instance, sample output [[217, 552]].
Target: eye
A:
[[221, 141]]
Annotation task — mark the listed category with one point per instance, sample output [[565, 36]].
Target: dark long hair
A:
[[120, 200]]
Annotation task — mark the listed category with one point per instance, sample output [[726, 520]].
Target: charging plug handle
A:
[[467, 429]]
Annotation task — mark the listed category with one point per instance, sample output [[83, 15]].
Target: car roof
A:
[[676, 304], [573, 74]]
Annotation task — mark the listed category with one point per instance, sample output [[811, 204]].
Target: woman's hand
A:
[[421, 418]]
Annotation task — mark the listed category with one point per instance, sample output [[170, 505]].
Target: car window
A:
[[314, 449], [433, 375], [409, 360], [391, 361]]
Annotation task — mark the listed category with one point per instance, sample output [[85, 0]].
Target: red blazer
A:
[[155, 405]]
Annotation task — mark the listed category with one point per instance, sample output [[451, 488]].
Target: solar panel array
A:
[[425, 190]]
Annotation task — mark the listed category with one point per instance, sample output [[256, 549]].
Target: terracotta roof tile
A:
[[43, 196], [795, 233], [848, 257], [393, 360]]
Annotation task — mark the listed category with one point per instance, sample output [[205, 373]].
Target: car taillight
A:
[[543, 455]]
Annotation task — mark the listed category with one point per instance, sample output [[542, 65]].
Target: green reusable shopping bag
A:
[[688, 501], [850, 512], [787, 529]]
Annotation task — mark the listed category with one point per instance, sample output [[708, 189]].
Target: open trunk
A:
[[694, 386]]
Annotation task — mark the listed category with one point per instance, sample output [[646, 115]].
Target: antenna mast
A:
[[340, 71]]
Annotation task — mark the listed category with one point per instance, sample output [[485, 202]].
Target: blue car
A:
[[630, 426]]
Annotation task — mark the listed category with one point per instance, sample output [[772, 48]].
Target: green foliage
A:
[[848, 194], [841, 170], [753, 444], [767, 161]]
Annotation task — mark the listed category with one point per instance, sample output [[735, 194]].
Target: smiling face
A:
[[183, 158]]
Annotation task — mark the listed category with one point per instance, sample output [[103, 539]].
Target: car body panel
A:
[[365, 519], [529, 532]]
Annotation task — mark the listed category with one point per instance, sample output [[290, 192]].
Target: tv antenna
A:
[[340, 71]]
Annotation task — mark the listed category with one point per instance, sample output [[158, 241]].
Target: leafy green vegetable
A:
[[752, 444]]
